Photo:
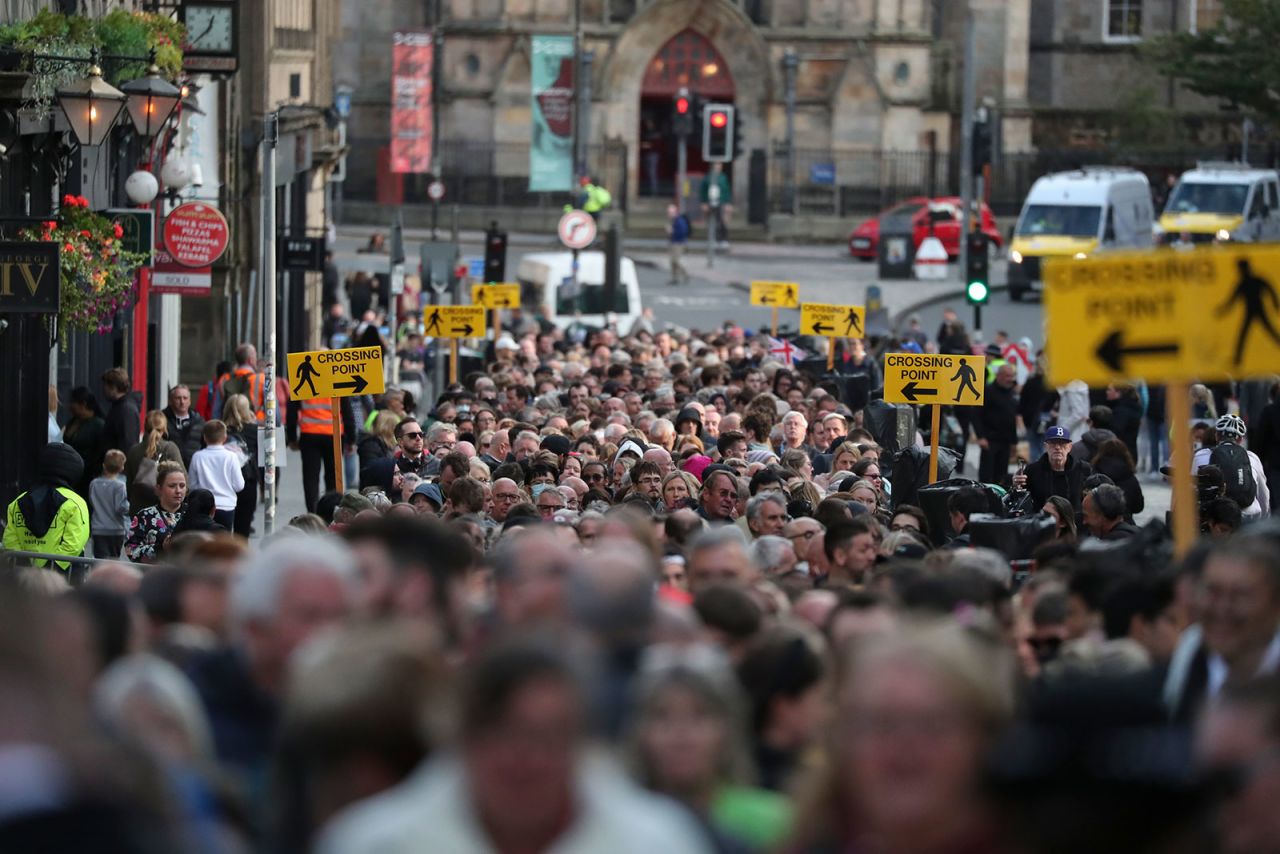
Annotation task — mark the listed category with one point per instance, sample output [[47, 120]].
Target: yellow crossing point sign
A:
[[1207, 314], [776, 294], [453, 321], [833, 321], [336, 373], [505, 295], [933, 378]]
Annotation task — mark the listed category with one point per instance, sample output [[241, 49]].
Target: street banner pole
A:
[[1178, 401], [935, 420], [267, 358], [335, 405], [831, 354], [453, 360]]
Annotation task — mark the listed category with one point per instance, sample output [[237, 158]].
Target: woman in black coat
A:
[[1114, 460], [1126, 415]]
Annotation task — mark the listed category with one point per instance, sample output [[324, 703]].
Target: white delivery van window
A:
[[1060, 221], [1259, 201], [590, 299], [1208, 198], [1271, 195]]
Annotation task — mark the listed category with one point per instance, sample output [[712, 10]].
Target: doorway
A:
[[687, 60]]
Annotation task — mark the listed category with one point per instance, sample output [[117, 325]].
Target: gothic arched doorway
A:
[[687, 60]]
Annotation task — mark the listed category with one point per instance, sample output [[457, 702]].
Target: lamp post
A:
[[151, 101], [91, 106]]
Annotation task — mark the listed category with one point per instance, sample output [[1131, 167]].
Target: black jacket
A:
[[124, 424], [188, 437], [1032, 402], [1264, 439], [1087, 447], [998, 421], [1126, 417], [371, 448], [1043, 481], [1122, 476]]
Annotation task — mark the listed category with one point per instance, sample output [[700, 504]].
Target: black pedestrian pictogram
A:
[[1255, 292], [966, 375], [306, 376], [791, 296], [433, 321], [852, 323]]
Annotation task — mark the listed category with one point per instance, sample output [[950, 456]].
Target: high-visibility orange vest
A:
[[256, 399], [316, 416]]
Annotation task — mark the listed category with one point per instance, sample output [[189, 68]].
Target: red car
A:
[[944, 211]]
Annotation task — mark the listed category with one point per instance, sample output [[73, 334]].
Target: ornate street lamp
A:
[[152, 100], [92, 106]]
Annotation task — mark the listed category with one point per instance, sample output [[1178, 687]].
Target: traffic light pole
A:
[[267, 358], [682, 172], [977, 306], [713, 213], [966, 143]]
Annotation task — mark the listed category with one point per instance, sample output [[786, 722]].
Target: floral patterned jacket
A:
[[148, 529]]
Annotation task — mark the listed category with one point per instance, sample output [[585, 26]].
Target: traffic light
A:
[[737, 137], [981, 146], [682, 115], [977, 287], [717, 133], [495, 254]]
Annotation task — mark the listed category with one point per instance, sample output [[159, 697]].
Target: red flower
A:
[[69, 200], [50, 225], [82, 201], [85, 233], [68, 248], [117, 230]]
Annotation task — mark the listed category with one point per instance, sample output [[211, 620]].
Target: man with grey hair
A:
[[663, 433], [767, 514], [718, 556], [773, 556], [526, 445], [986, 562], [660, 457], [295, 587]]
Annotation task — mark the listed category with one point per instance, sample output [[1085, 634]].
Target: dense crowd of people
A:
[[660, 593]]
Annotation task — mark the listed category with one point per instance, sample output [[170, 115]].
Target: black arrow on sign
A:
[[766, 300], [1112, 351], [465, 330], [505, 303], [357, 385], [818, 327], [913, 392]]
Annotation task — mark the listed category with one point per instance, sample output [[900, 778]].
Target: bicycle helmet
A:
[[1230, 424]]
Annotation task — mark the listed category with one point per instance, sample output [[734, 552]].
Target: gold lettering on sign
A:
[[32, 280]]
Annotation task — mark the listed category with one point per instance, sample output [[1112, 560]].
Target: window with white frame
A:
[[1203, 15], [1123, 20]]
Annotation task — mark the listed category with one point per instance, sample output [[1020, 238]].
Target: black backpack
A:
[[1236, 470]]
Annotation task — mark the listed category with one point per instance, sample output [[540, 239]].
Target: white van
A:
[[1076, 214], [1221, 202], [546, 279]]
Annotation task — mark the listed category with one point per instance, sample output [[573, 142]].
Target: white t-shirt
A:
[[217, 469]]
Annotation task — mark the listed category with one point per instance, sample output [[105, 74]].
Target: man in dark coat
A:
[[1055, 473], [185, 424], [997, 426], [124, 418]]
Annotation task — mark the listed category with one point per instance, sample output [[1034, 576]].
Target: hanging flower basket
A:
[[97, 273]]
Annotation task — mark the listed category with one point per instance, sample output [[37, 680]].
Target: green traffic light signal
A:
[[977, 292]]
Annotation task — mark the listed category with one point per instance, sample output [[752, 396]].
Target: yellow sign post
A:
[[336, 374], [833, 321], [496, 297], [938, 380], [505, 295], [453, 322], [1168, 316], [775, 295]]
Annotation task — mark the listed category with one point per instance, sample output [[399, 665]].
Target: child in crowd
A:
[[217, 469], [109, 505]]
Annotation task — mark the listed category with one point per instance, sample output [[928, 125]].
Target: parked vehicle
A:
[[1222, 202], [944, 215], [1075, 214], [546, 279]]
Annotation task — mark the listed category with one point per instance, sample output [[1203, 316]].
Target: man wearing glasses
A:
[[596, 476], [549, 501], [646, 480], [803, 533], [410, 456], [505, 496]]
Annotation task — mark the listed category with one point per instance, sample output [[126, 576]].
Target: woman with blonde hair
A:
[[918, 709], [142, 461], [242, 438], [380, 442]]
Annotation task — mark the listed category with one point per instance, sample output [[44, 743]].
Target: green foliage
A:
[[1137, 121], [1236, 60], [119, 33]]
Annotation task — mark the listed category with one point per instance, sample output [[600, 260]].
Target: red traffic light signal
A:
[[682, 105], [719, 119]]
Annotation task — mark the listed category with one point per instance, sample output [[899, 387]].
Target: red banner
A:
[[412, 57], [196, 234]]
